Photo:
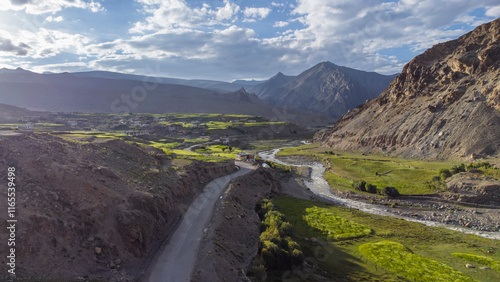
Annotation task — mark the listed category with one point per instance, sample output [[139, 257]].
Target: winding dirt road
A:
[[176, 259]]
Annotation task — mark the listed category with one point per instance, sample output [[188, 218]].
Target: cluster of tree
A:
[[277, 249], [446, 173], [371, 188]]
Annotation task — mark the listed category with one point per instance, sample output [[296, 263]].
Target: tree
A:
[[370, 188], [360, 186], [390, 191]]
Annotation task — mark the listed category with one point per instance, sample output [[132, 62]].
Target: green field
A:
[[334, 227], [342, 260], [219, 151], [485, 261], [410, 177], [397, 258]]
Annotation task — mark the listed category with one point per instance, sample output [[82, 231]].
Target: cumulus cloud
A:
[[493, 12], [48, 6], [54, 19], [46, 43], [281, 24], [259, 13], [171, 14], [20, 49]]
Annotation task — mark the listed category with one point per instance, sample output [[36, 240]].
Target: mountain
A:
[[247, 82], [69, 92], [201, 83], [445, 103], [325, 89], [12, 114]]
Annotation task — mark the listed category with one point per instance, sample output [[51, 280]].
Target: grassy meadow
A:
[[409, 176], [395, 250]]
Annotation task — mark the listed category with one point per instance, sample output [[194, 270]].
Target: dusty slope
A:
[[95, 210], [445, 103]]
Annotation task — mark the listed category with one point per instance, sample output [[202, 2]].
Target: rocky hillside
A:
[[94, 210], [445, 103], [325, 89]]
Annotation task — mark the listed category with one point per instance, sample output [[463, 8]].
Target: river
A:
[[319, 186]]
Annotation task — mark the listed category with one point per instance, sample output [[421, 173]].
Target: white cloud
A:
[[280, 24], [56, 19], [493, 12], [171, 14], [48, 6], [260, 13], [43, 43]]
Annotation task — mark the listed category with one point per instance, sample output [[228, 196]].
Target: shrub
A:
[[370, 188], [457, 168], [360, 186], [479, 165], [390, 191], [277, 250], [445, 173], [436, 178]]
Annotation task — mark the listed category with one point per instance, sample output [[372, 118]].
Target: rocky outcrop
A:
[[473, 188], [95, 210], [445, 103]]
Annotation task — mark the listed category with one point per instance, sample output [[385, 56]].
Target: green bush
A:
[[457, 168], [277, 250], [360, 185], [370, 188], [390, 191], [445, 173], [479, 165]]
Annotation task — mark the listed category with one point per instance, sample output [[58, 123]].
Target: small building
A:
[[245, 157]]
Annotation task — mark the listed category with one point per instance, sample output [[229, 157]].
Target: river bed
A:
[[319, 186]]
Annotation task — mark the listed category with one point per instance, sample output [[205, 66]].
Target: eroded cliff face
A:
[[445, 103], [95, 210]]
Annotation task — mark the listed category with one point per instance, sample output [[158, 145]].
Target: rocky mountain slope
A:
[[445, 103], [72, 93], [94, 210], [325, 89]]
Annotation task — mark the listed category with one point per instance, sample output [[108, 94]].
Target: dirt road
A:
[[176, 260]]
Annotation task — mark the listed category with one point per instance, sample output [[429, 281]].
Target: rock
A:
[[314, 240], [118, 261], [98, 250], [469, 266]]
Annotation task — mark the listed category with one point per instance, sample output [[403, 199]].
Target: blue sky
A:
[[228, 39]]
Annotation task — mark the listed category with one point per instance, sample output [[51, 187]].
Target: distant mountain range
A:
[[445, 103], [325, 89], [85, 93], [219, 86]]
